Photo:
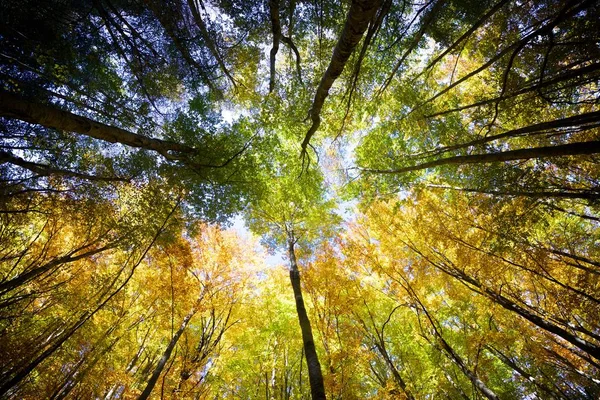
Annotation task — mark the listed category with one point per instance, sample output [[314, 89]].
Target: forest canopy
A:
[[427, 173]]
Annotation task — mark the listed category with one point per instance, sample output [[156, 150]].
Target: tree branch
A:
[[47, 170], [571, 149], [359, 16]]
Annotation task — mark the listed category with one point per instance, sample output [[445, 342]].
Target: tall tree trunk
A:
[[166, 356], [510, 363], [47, 170], [50, 116], [359, 16], [578, 123], [34, 273], [449, 350], [194, 8], [586, 346], [13, 381], [570, 149], [580, 194], [395, 373], [315, 376], [276, 31]]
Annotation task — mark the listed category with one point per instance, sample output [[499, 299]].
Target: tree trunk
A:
[[165, 357], [584, 345], [276, 31], [32, 274], [359, 16], [315, 376], [580, 123], [193, 5], [582, 194], [47, 170], [453, 355], [510, 363], [395, 373], [570, 149], [50, 116], [87, 315]]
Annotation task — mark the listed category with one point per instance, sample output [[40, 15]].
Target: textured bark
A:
[[478, 383], [165, 357], [412, 44], [77, 375], [530, 86], [22, 373], [357, 21], [468, 33], [578, 123], [279, 37], [50, 116], [315, 376], [288, 41], [395, 373], [454, 356], [571, 149], [564, 14]]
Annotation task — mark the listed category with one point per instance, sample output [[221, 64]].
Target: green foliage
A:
[[127, 126]]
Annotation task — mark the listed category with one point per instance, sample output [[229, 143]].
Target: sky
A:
[[271, 260]]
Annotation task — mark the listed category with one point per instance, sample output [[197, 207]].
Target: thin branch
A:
[[47, 170]]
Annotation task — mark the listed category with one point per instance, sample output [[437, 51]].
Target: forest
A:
[[300, 199]]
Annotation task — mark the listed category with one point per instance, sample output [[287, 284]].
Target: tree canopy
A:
[[427, 173]]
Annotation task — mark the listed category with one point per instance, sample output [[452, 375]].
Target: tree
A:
[[291, 211], [458, 140]]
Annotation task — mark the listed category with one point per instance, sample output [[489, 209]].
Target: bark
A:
[[279, 37], [395, 373], [468, 33], [478, 383], [9, 384], [583, 194], [359, 16], [193, 4], [77, 376], [166, 356], [24, 372], [47, 170], [562, 15], [29, 275], [584, 345], [510, 363], [583, 216], [542, 272], [454, 356], [165, 18], [529, 87], [426, 22], [50, 116], [288, 41], [570, 149], [573, 256], [580, 123], [276, 31], [315, 376]]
